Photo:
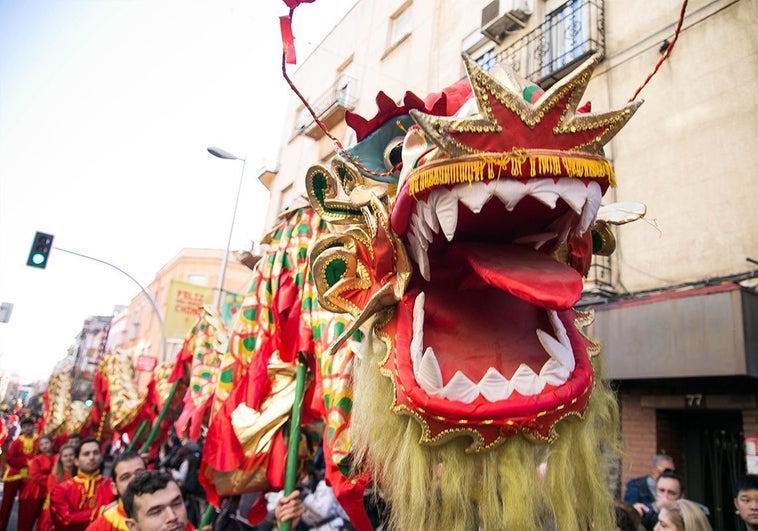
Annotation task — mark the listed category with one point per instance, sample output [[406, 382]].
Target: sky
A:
[[107, 108]]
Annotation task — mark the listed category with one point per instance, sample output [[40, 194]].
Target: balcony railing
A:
[[568, 36], [330, 107]]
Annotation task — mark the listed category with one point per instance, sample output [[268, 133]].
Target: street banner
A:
[[146, 363], [184, 303]]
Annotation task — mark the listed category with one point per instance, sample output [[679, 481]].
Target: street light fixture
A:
[[223, 154]]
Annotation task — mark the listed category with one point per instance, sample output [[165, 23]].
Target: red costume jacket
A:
[[20, 452], [44, 522], [39, 470], [77, 502], [112, 519]]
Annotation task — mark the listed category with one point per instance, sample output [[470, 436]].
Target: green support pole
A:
[[208, 515], [157, 424], [290, 477], [137, 435]]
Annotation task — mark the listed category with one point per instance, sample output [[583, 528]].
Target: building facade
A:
[[179, 289], [676, 308]]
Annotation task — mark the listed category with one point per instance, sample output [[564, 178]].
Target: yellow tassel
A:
[[483, 169]]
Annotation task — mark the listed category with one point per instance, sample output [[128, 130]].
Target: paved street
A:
[[13, 524]]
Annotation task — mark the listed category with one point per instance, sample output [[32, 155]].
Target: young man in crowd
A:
[[76, 502], [154, 502], [746, 501], [642, 489], [125, 467]]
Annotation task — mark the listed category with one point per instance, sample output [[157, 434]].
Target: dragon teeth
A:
[[430, 217], [574, 192], [510, 193], [493, 386], [526, 382], [429, 374], [440, 210], [460, 388], [591, 206], [417, 343], [419, 255], [476, 196], [447, 212]]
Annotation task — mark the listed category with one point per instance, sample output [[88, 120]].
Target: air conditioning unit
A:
[[501, 17]]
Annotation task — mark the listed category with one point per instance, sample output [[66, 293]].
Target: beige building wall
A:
[[689, 153], [141, 333]]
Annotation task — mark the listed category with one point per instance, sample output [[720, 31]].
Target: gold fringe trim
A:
[[490, 167]]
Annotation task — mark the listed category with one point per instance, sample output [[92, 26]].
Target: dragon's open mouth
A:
[[487, 319]]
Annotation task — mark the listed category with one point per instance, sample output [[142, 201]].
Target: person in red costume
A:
[[125, 467], [77, 501], [63, 469], [20, 452], [32, 497]]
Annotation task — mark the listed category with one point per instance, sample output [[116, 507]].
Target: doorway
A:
[[708, 449]]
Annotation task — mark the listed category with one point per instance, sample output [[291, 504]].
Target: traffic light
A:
[[41, 247]]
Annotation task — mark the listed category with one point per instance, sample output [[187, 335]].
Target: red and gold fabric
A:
[[57, 404], [117, 398], [198, 363], [20, 452], [39, 470], [255, 387], [45, 522], [113, 518], [76, 502]]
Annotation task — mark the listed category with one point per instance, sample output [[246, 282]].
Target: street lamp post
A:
[[222, 154]]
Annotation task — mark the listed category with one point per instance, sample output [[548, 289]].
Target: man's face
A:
[[163, 510], [90, 458], [746, 503], [660, 467], [27, 429], [45, 445], [124, 472], [667, 489]]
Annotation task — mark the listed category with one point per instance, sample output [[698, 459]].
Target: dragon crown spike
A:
[[506, 121]]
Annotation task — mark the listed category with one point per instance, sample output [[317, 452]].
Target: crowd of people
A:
[[67, 490], [656, 502]]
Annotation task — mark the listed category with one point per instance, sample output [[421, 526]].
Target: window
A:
[[400, 25], [567, 35], [198, 280]]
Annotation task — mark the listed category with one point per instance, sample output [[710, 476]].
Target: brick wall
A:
[[750, 422], [638, 437]]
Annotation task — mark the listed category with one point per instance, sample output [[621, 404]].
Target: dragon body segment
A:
[[279, 318]]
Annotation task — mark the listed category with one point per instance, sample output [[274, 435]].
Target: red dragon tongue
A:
[[531, 276]]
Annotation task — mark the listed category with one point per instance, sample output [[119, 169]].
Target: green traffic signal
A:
[[41, 247]]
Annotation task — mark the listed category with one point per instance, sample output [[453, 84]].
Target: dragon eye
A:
[[603, 240], [393, 153]]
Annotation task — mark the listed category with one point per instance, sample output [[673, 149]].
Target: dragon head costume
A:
[[476, 397]]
